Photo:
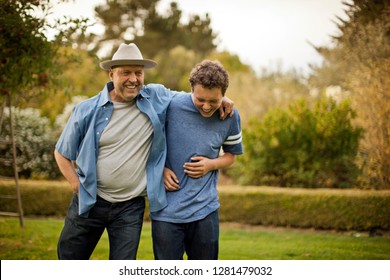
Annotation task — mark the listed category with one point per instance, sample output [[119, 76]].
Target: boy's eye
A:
[[209, 101]]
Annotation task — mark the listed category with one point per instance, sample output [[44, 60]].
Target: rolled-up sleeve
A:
[[69, 141]]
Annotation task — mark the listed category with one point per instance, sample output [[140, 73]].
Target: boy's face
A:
[[207, 101]]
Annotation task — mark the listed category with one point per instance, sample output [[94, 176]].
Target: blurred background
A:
[[311, 79]]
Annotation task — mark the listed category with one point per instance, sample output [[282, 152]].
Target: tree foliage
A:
[[162, 36], [29, 63], [301, 147], [80, 76], [140, 22], [174, 77], [26, 54], [254, 96], [360, 63]]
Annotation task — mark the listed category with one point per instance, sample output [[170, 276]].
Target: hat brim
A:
[[108, 64]]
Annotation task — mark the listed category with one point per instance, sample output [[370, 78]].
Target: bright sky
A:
[[263, 33]]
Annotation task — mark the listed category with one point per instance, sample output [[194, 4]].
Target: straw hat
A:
[[127, 55]]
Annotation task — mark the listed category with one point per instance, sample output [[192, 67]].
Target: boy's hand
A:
[[171, 182], [198, 167]]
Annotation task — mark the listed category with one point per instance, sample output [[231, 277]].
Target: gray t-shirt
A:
[[123, 151]]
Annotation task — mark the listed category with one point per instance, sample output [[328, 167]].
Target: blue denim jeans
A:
[[199, 239], [123, 221]]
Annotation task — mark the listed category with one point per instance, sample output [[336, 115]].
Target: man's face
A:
[[128, 81], [207, 101]]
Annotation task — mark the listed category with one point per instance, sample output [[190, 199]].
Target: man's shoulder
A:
[[87, 103], [87, 106], [99, 99], [158, 94], [182, 97], [155, 88]]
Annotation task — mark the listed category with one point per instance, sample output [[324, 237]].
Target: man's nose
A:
[[132, 78]]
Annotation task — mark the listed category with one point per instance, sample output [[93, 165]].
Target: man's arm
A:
[[202, 165], [160, 91], [67, 169]]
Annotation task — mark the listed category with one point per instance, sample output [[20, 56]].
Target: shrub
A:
[[34, 143], [301, 147]]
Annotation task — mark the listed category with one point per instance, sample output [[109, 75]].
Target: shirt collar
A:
[[105, 94]]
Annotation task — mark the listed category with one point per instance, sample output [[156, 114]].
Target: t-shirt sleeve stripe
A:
[[233, 139]]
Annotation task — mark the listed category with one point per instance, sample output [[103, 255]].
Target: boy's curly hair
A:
[[209, 74]]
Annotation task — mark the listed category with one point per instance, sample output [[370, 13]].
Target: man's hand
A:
[[226, 108], [67, 169], [75, 187], [171, 182]]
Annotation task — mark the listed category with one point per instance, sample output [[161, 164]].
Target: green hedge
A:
[[39, 198], [306, 208], [269, 206]]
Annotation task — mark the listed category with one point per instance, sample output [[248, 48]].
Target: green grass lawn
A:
[[38, 239]]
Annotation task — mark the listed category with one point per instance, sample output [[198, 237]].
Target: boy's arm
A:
[[202, 165]]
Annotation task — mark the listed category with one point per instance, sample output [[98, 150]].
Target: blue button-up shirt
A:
[[79, 141]]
